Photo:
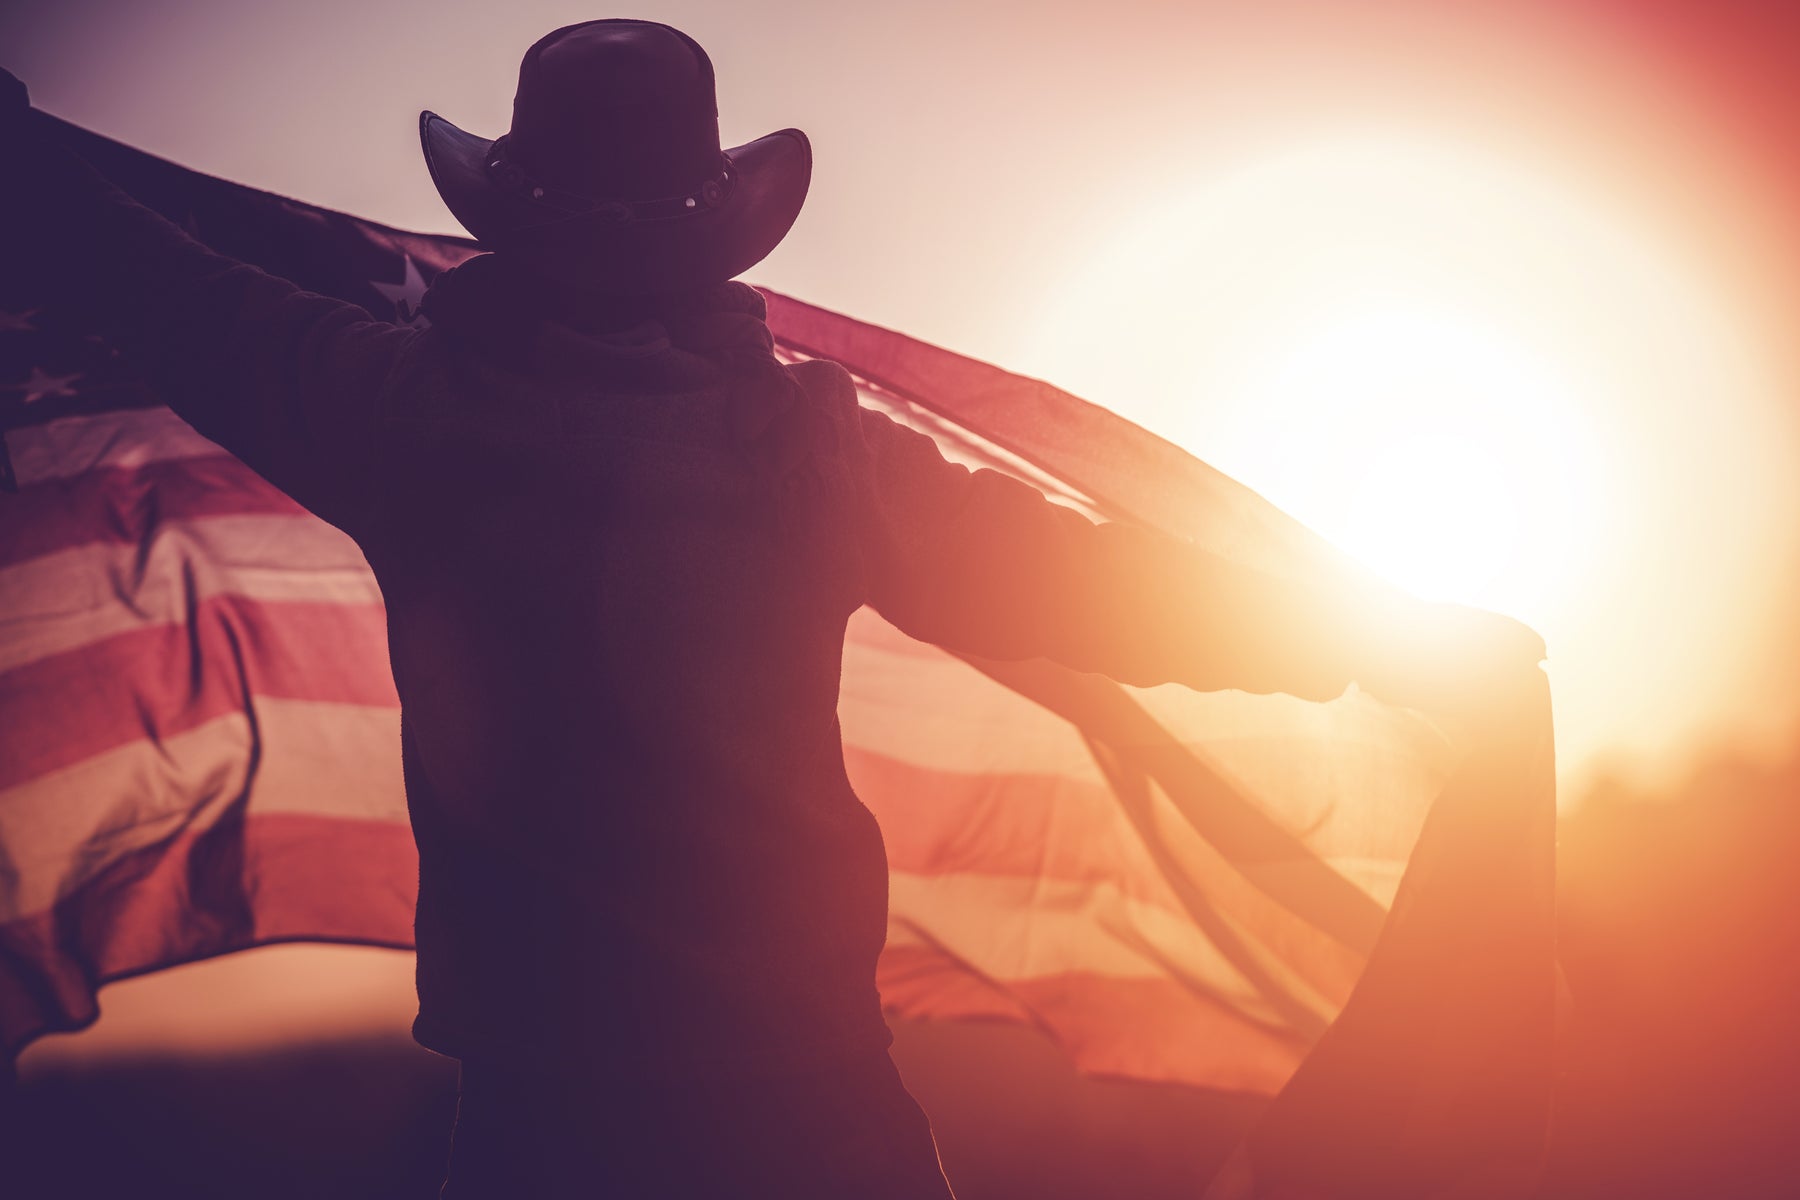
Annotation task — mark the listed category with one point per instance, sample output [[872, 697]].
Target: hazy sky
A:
[[1496, 293]]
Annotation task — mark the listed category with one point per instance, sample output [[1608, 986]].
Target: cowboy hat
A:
[[611, 179]]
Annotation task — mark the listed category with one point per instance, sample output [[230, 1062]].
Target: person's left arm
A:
[[285, 379]]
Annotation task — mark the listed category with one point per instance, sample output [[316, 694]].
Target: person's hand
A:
[[1446, 660]]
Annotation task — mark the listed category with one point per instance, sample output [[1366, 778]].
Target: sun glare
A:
[[1445, 457], [1488, 384]]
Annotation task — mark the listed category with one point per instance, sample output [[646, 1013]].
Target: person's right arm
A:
[[981, 563], [285, 379]]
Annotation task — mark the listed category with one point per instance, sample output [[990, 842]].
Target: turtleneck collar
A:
[[714, 335]]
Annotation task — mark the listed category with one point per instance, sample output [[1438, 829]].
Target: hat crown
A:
[[611, 180], [617, 109]]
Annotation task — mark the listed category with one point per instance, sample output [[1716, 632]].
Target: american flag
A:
[[1336, 903]]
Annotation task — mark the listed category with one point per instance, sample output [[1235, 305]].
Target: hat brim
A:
[[608, 256]]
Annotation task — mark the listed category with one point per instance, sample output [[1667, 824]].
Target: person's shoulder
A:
[[831, 389], [825, 381]]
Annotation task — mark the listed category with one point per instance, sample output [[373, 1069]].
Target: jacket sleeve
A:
[[285, 379], [978, 562]]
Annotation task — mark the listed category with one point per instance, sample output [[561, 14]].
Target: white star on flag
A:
[[406, 294], [41, 385]]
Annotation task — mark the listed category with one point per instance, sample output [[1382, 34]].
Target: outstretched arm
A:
[[978, 562], [285, 379]]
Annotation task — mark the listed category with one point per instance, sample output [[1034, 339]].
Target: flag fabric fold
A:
[[1337, 904]]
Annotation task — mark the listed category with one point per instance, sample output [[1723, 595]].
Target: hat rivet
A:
[[537, 193], [689, 202]]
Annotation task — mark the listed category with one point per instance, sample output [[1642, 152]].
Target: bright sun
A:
[[1448, 459], [1489, 387]]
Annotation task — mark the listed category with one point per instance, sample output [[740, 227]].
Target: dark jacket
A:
[[618, 564]]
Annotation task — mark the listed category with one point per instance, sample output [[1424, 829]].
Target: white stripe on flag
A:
[[64, 600], [1015, 929], [320, 759], [132, 437]]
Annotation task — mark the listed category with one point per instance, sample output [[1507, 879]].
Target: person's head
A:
[[611, 181]]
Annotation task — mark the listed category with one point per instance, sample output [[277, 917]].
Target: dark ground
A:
[[354, 1119]]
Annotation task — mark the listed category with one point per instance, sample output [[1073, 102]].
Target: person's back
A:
[[616, 633], [650, 904]]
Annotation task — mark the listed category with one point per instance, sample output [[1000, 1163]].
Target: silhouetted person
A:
[[619, 543]]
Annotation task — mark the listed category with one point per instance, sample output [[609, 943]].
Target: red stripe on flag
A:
[[124, 504], [935, 822], [270, 878], [1146, 1029], [166, 679], [1054, 828]]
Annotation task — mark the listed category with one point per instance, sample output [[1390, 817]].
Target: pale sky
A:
[[1522, 270]]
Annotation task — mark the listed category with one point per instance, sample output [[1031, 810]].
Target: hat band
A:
[[508, 175]]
